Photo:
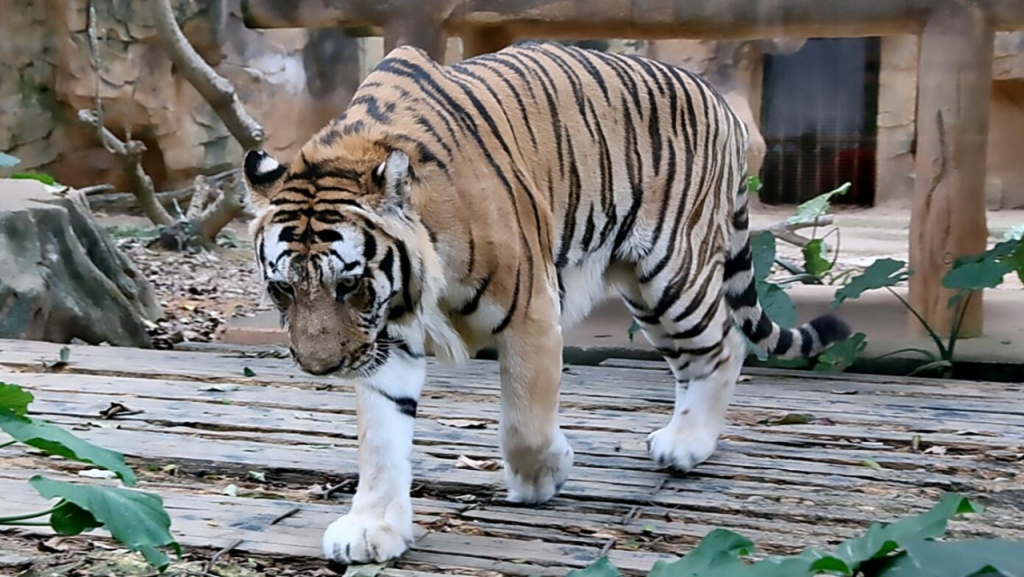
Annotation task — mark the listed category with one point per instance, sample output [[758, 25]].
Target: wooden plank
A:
[[785, 486]]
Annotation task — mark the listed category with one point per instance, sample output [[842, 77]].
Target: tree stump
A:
[[948, 217], [61, 277]]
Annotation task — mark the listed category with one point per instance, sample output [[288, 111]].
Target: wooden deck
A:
[[783, 485]]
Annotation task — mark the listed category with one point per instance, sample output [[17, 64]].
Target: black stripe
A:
[[474, 302], [406, 405], [511, 307]]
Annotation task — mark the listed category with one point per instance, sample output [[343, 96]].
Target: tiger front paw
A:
[[368, 536]]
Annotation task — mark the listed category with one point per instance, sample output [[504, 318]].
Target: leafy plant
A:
[[906, 548], [135, 518], [967, 275], [43, 178]]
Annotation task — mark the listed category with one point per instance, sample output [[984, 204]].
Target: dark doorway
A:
[[819, 112]]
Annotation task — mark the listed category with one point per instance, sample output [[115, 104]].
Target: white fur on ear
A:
[[380, 169], [397, 166], [396, 180], [262, 171], [267, 165]]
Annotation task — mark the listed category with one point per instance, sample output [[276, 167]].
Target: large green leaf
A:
[[969, 558], [15, 398], [816, 261], [985, 270], [884, 272], [776, 302], [600, 568], [762, 250], [717, 552], [881, 540], [816, 207], [6, 160], [136, 519], [839, 356], [57, 441]]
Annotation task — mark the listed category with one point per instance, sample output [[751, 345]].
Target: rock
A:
[[60, 275]]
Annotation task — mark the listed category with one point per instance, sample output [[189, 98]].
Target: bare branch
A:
[[130, 154], [216, 89], [222, 212], [785, 230]]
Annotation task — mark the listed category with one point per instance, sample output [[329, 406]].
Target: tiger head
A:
[[340, 249]]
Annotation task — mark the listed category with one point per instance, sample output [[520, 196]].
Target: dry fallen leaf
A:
[[465, 462], [463, 423]]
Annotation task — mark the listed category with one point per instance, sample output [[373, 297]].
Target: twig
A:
[[130, 153], [326, 493], [284, 515], [209, 564], [96, 189], [785, 230]]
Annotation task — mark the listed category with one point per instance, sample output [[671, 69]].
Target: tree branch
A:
[[216, 89], [785, 230], [130, 154]]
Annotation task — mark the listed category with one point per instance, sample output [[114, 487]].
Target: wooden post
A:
[[418, 32], [485, 39], [948, 217]]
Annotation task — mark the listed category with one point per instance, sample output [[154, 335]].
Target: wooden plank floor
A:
[[783, 485]]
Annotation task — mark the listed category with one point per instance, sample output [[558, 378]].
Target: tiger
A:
[[491, 203]]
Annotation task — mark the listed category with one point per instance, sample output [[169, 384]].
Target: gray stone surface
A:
[[61, 277]]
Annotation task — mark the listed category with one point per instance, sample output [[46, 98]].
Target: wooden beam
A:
[[485, 40], [416, 32], [948, 215], [708, 19]]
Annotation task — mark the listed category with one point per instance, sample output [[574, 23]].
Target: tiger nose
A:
[[316, 364]]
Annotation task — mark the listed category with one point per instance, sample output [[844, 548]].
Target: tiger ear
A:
[[394, 172], [262, 173]]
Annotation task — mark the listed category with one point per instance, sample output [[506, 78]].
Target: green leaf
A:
[[248, 372], [882, 540], [939, 365], [600, 568], [634, 328], [967, 558], [884, 272], [15, 398], [136, 519], [57, 441], [985, 270], [70, 519], [841, 355], [43, 178], [156, 557], [718, 550], [815, 261], [816, 207], [762, 250], [776, 302], [6, 160], [754, 185]]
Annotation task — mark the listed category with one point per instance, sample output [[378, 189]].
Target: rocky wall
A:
[[291, 81]]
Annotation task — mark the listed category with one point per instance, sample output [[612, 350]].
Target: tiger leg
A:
[[537, 455], [705, 354], [379, 525]]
